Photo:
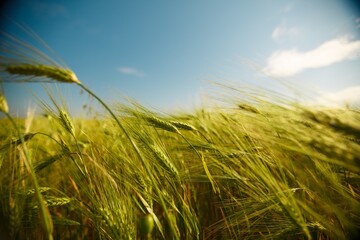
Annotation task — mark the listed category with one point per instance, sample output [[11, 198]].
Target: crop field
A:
[[258, 166]]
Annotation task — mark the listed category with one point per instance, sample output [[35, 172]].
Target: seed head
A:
[[66, 122], [182, 125], [159, 123], [39, 70]]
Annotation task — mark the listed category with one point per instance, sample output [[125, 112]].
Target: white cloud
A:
[[130, 71], [349, 96], [284, 31], [290, 62]]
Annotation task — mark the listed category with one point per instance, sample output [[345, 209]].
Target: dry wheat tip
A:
[[40, 70]]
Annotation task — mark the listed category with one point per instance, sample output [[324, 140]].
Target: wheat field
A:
[[255, 167]]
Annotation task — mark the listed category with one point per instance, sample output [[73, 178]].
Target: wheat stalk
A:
[[40, 70], [32, 191], [248, 108], [159, 123], [169, 126], [183, 126], [163, 160], [66, 122], [54, 202]]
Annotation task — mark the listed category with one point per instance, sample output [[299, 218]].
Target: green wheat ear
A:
[[40, 70]]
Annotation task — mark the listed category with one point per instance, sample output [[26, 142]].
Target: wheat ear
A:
[[40, 70], [182, 125]]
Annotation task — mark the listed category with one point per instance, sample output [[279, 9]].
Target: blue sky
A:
[[163, 53]]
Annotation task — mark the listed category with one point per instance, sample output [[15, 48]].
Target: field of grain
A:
[[257, 167]]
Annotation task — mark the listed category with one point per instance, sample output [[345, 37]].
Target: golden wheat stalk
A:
[[46, 71]]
